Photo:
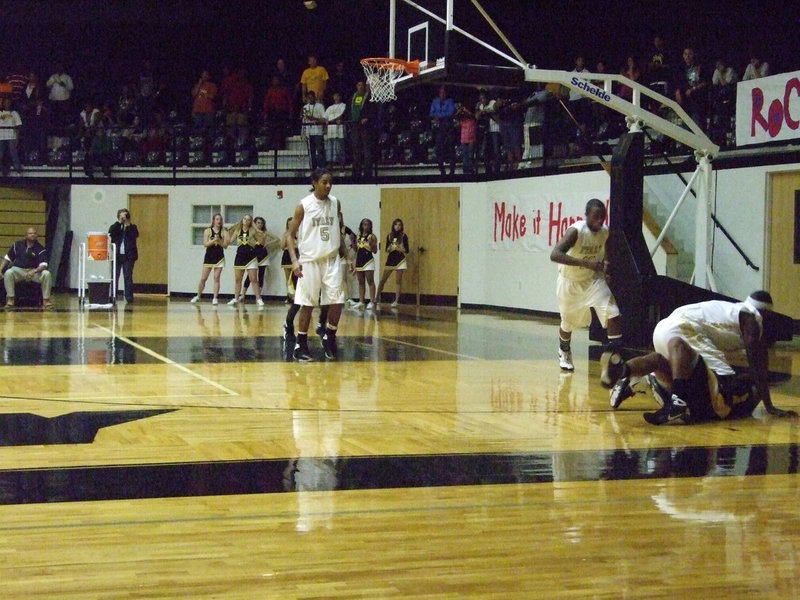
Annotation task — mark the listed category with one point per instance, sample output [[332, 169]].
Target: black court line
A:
[[125, 482], [236, 349]]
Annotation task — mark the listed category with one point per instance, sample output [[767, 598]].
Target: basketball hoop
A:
[[382, 75]]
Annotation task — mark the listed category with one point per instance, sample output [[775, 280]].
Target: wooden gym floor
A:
[[170, 450]]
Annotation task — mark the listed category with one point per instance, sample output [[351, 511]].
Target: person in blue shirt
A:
[[442, 111]]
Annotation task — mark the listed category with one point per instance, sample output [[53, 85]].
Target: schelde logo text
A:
[[592, 89]]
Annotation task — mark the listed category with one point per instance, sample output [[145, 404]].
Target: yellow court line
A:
[[431, 348], [168, 361]]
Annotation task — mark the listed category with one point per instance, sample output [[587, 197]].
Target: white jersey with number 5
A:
[[319, 233]]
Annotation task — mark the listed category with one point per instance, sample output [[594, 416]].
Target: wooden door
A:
[[783, 244], [20, 209], [431, 219], [150, 213]]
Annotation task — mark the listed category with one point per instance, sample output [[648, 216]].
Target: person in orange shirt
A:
[[204, 93], [278, 112]]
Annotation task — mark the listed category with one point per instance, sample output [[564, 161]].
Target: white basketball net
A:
[[381, 78]]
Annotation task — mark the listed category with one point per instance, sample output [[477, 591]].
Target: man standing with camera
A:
[[124, 234]]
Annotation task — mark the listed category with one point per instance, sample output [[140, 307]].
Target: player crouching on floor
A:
[[690, 373]]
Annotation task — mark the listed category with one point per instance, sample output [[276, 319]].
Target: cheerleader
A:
[[215, 240], [397, 248], [245, 235], [286, 265], [366, 247], [262, 247]]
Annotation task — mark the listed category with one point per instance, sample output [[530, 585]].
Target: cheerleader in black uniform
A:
[[286, 265], [244, 235], [215, 240], [366, 247], [261, 247], [397, 247]]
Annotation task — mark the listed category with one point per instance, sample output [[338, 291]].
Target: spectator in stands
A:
[[107, 118], [34, 129], [292, 82], [10, 123], [659, 73], [88, 119], [442, 111], [511, 115], [469, 136], [755, 69], [488, 132], [32, 92], [724, 80], [601, 115], [632, 71], [204, 94], [692, 92], [313, 130], [18, 82], [723, 101], [126, 105], [61, 88], [282, 73], [363, 118], [155, 140], [579, 105], [238, 104], [133, 135], [334, 131], [99, 153], [340, 81], [278, 112], [314, 78], [148, 88]]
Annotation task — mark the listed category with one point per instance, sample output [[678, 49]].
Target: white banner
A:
[[535, 222], [768, 109]]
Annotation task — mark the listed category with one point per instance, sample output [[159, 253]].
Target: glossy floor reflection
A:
[[444, 455], [329, 473]]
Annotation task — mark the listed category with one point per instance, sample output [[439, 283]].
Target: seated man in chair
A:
[[28, 260]]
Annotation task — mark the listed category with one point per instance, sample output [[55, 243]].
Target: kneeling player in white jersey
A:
[[581, 286], [318, 261], [690, 373]]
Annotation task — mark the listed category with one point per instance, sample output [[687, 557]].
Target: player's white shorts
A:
[[322, 282], [695, 337], [575, 298]]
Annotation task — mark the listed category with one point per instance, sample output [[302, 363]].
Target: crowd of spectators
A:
[[223, 117]]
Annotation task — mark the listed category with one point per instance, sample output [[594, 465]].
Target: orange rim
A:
[[397, 64]]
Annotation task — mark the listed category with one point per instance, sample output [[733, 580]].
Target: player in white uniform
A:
[[318, 261], [690, 372], [581, 285]]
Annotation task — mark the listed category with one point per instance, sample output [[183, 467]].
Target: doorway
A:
[[150, 212], [431, 220]]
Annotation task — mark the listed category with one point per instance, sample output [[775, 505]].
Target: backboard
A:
[[448, 38]]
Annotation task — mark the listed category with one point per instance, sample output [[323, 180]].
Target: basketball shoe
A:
[[660, 394], [329, 345], [674, 412], [565, 360], [302, 353], [621, 390]]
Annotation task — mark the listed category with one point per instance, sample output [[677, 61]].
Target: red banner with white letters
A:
[[768, 109]]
